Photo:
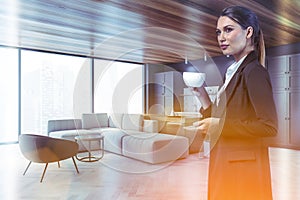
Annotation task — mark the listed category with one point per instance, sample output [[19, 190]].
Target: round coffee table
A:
[[89, 139]]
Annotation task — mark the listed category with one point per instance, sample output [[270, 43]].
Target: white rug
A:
[[129, 165]]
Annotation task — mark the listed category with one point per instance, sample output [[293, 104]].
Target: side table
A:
[[89, 139]]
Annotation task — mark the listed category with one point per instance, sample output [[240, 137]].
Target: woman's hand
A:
[[207, 124], [198, 91], [202, 95]]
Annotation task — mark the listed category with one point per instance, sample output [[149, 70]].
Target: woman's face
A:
[[232, 39]]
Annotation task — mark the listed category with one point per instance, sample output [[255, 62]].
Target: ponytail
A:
[[261, 49]]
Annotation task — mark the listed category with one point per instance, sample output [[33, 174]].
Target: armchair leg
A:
[[27, 168], [44, 172], [75, 165], [58, 164]]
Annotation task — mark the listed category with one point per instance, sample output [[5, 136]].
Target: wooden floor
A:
[[119, 178]]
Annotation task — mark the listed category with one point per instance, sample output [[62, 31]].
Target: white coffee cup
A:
[[193, 79]]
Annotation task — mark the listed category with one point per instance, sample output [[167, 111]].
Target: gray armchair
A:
[[44, 149]]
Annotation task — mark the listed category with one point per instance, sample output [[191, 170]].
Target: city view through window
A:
[[42, 86]]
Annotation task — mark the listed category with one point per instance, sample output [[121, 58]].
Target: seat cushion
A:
[[113, 139], [154, 147], [196, 138], [71, 134]]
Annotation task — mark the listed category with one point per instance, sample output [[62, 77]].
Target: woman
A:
[[244, 113]]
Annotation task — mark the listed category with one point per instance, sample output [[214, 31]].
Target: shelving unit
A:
[[169, 86], [285, 77]]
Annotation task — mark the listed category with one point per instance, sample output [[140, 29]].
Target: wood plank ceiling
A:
[[140, 31]]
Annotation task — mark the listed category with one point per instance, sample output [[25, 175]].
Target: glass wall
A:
[[37, 86], [49, 90], [118, 87], [9, 95]]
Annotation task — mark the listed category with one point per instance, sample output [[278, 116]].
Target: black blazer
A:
[[247, 106], [239, 163]]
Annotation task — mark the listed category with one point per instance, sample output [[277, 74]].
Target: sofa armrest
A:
[[150, 126]]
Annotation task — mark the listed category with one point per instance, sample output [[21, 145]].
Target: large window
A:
[[42, 86], [118, 87], [9, 95], [51, 84]]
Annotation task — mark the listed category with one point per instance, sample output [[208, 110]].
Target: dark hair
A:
[[245, 18]]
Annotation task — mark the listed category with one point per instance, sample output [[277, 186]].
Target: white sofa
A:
[[124, 134]]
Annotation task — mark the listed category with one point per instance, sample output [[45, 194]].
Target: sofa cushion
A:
[[196, 138], [113, 139], [71, 134], [150, 126], [132, 122], [64, 124], [154, 147], [94, 120], [115, 120]]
